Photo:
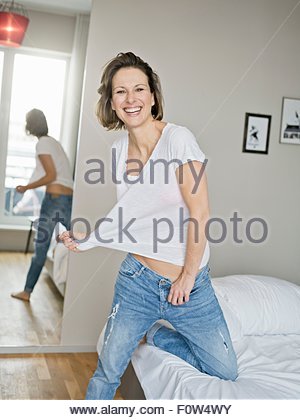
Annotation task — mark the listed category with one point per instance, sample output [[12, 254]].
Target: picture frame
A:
[[256, 133], [290, 121]]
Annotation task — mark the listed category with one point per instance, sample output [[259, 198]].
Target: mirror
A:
[[31, 81]]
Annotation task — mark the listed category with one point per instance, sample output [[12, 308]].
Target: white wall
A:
[[50, 31], [217, 60]]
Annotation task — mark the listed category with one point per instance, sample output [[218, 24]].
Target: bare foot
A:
[[21, 295]]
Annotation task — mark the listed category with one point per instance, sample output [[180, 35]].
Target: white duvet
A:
[[268, 367]]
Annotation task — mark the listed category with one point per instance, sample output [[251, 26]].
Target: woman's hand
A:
[[181, 289], [70, 239], [21, 189]]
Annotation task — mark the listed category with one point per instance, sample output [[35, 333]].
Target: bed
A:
[[263, 316], [57, 264]]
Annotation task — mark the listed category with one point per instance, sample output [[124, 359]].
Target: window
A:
[[36, 82]]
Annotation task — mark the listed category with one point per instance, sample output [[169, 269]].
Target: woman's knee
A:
[[229, 371]]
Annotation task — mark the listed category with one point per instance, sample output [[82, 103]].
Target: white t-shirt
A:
[[150, 207], [47, 145]]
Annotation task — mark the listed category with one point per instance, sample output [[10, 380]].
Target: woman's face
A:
[[131, 97]]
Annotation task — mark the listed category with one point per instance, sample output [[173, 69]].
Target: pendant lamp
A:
[[13, 23]]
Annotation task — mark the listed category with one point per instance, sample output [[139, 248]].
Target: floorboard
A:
[[27, 324], [53, 376]]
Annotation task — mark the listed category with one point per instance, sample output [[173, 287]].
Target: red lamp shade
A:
[[13, 26]]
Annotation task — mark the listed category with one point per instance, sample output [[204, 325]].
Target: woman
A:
[[52, 170], [168, 278]]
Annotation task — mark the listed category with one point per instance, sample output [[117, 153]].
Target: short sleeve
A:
[[184, 147], [44, 146]]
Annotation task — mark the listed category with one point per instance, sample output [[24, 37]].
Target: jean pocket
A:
[[203, 276], [127, 270]]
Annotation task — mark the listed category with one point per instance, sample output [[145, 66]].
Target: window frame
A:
[[5, 104]]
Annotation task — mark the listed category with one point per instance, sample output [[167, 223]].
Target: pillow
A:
[[263, 305]]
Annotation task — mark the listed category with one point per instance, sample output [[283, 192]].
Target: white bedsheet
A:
[[268, 366]]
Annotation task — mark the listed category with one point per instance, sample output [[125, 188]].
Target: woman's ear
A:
[[111, 104]]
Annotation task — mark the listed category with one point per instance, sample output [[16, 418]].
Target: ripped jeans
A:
[[201, 336]]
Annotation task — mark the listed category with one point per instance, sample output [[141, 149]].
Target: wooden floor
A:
[[52, 376], [21, 323], [46, 376]]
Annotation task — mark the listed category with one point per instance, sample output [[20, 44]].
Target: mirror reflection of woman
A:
[[53, 171], [174, 283]]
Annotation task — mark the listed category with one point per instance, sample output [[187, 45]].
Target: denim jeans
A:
[[54, 209], [140, 299]]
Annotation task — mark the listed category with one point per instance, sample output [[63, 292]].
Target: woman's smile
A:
[[133, 111]]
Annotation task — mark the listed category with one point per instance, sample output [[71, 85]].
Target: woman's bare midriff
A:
[[165, 269], [58, 189]]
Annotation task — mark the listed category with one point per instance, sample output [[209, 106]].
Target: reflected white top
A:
[[47, 145]]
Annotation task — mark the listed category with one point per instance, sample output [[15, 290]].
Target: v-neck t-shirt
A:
[[150, 217]]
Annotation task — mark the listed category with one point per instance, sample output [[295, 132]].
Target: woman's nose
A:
[[130, 97]]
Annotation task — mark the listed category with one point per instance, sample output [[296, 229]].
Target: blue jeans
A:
[[140, 299], [54, 209]]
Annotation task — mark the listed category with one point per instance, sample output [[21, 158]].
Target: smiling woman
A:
[[171, 281]]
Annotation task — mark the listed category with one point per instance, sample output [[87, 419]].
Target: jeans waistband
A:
[[52, 195], [137, 265]]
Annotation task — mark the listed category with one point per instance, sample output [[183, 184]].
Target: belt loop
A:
[[141, 270]]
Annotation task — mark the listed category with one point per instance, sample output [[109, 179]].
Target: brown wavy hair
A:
[[105, 114], [36, 123]]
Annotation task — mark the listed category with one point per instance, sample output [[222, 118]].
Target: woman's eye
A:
[[140, 89], [120, 91]]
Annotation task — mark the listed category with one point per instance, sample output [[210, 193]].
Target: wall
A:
[[49, 31], [217, 60]]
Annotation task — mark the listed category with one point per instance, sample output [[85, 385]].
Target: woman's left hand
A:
[[181, 289], [69, 240]]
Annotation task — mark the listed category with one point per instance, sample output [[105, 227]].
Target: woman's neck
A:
[[145, 137]]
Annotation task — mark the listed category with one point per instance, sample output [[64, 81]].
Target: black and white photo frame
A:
[[290, 121], [256, 133]]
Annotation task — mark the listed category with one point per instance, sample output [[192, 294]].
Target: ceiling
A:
[[59, 6]]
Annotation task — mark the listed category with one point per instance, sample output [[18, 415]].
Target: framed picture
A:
[[290, 121], [256, 133]]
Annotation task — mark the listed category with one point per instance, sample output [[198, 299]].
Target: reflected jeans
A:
[[201, 336], [54, 209]]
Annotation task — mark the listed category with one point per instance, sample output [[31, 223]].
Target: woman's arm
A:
[[197, 203], [50, 175]]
